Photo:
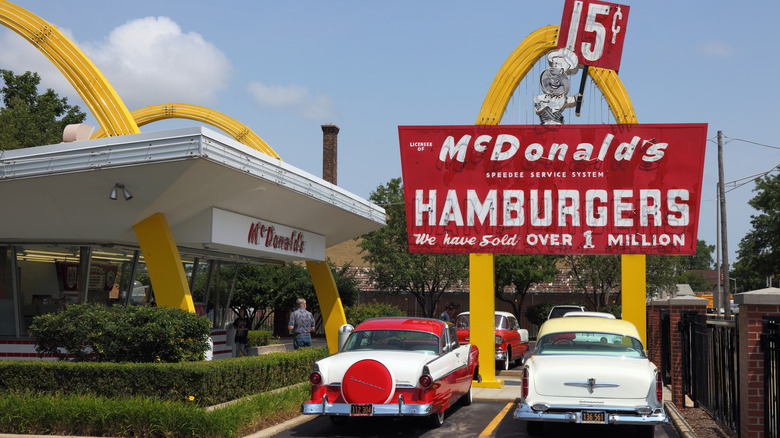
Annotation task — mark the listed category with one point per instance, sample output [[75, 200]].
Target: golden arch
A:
[[520, 62], [92, 86], [236, 129], [481, 272]]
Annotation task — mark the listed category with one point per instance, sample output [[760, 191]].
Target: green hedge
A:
[[203, 383], [258, 338], [357, 314], [139, 416], [89, 332]]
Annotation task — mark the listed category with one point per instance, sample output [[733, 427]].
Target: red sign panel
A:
[[595, 31], [587, 189]]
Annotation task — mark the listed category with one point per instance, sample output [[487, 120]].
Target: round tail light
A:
[[426, 381], [315, 378]]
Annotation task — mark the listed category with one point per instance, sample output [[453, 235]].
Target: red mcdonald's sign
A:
[[585, 189]]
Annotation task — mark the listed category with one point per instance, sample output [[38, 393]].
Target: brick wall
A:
[[751, 368]]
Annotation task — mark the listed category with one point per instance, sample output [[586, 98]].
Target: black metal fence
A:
[[666, 347], [770, 344], [710, 366]]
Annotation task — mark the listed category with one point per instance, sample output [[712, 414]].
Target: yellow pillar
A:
[[169, 281], [482, 307], [634, 293], [330, 302]]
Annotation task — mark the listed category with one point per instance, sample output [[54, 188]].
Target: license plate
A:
[[361, 410], [594, 417]]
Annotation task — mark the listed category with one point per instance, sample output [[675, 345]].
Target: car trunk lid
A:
[[592, 376]]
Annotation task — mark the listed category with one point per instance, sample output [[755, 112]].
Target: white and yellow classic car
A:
[[590, 370]]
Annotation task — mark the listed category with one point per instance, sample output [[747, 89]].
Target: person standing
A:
[[447, 314], [302, 325], [241, 324]]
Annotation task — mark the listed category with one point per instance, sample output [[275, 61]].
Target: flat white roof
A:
[[60, 193]]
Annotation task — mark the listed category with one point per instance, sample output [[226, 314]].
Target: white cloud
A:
[[295, 98], [148, 61], [151, 61], [716, 49], [20, 56]]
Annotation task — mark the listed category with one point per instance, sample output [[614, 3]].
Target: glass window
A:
[[393, 340], [7, 302], [590, 343], [453, 337], [444, 340]]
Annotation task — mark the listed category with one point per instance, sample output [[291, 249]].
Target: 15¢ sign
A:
[[595, 31]]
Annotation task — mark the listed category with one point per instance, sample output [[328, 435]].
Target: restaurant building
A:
[[77, 216]]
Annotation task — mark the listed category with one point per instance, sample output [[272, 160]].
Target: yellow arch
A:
[[520, 62], [109, 110], [236, 129], [481, 272]]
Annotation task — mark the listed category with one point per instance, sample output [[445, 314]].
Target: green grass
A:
[[143, 417]]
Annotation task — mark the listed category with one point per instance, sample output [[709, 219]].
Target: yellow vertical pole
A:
[[169, 281], [330, 302], [633, 278], [482, 307]]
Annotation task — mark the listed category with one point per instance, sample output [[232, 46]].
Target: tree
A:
[[30, 119], [758, 256], [663, 273], [597, 276], [425, 276], [519, 273], [263, 289], [703, 257]]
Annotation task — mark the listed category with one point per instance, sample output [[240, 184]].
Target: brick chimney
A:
[[330, 134]]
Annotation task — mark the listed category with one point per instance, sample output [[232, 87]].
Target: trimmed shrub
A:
[[615, 309], [202, 383], [94, 333], [138, 416], [537, 313], [357, 314], [258, 338]]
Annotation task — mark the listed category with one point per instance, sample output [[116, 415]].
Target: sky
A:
[[284, 68]]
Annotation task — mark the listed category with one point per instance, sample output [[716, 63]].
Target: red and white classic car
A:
[[511, 340], [590, 370], [394, 367]]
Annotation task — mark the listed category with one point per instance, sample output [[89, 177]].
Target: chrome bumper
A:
[[325, 408], [573, 414], [500, 354]]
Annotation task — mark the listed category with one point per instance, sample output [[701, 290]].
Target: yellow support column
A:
[[482, 307], [330, 303], [634, 293], [169, 281]]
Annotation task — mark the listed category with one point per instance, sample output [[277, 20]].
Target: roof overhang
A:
[[60, 193]]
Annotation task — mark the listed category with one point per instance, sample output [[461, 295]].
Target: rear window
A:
[[559, 311], [499, 321], [590, 343], [407, 340]]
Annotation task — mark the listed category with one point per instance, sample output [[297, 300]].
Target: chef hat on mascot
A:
[[564, 59]]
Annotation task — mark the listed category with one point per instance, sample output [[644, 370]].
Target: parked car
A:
[[593, 314], [559, 311], [590, 370], [395, 367], [511, 340]]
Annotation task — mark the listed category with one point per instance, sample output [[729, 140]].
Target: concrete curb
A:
[[678, 421], [281, 427]]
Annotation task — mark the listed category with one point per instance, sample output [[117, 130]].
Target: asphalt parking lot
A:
[[489, 416]]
